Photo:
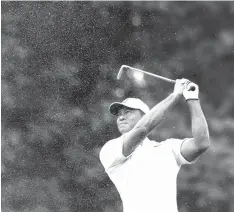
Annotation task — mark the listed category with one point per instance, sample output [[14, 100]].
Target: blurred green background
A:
[[59, 67]]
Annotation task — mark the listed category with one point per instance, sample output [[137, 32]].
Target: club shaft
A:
[[148, 73]]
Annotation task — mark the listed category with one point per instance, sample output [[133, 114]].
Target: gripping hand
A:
[[191, 91], [179, 86]]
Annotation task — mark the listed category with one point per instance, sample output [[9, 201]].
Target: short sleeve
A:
[[176, 148], [111, 154]]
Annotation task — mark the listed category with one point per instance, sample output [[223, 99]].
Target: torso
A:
[[147, 179]]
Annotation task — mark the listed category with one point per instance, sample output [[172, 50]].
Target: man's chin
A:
[[123, 130]]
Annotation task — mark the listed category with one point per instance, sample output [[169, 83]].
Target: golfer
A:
[[144, 171]]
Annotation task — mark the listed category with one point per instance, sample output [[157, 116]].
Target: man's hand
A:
[[180, 86], [189, 93]]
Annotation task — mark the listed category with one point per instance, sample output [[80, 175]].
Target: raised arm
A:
[[151, 120], [192, 148]]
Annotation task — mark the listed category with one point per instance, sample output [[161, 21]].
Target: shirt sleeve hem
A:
[[184, 160], [121, 157]]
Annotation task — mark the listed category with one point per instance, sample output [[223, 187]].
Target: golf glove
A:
[[191, 91]]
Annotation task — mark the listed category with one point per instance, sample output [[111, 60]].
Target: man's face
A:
[[127, 119]]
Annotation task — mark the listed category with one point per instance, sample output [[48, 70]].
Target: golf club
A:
[[147, 73]]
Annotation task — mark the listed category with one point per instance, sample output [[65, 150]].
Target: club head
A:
[[120, 72]]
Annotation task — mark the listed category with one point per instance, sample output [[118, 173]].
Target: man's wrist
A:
[[193, 102], [175, 97], [194, 106]]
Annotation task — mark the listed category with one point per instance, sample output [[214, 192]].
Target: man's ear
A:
[[142, 113]]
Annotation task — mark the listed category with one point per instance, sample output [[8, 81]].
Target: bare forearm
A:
[[199, 125], [154, 117], [151, 120]]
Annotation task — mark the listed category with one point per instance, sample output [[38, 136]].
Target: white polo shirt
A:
[[146, 179]]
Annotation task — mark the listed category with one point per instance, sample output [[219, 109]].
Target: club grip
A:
[[192, 88]]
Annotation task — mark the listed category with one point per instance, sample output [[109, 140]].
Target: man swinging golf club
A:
[[143, 171]]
